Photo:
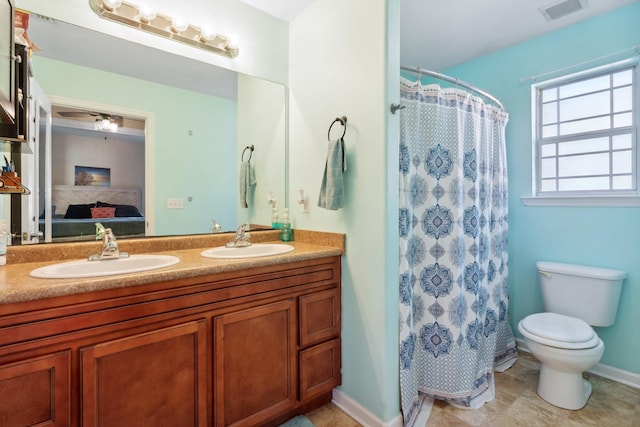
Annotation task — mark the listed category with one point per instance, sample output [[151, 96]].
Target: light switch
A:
[[174, 203]]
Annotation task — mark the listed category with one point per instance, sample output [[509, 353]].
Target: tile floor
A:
[[517, 404]]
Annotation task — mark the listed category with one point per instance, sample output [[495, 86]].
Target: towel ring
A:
[[250, 148], [343, 121]]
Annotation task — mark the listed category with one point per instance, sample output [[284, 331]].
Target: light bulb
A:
[[97, 125], [113, 127], [105, 124], [207, 34], [232, 41], [178, 25], [146, 13], [111, 4]]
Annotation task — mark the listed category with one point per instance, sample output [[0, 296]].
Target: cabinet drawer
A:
[[319, 316], [35, 392], [319, 369]]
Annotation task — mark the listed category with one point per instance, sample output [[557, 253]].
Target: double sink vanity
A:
[[209, 339]]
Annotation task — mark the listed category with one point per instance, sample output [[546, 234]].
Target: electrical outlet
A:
[[174, 203]]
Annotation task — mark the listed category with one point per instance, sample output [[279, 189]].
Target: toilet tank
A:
[[588, 293]]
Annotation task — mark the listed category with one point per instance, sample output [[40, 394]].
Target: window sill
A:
[[595, 201]]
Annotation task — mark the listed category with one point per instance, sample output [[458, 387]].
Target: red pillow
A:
[[103, 212]]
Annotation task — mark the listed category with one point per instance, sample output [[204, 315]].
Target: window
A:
[[585, 133]]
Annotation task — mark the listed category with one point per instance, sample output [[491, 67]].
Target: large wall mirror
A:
[[183, 129]]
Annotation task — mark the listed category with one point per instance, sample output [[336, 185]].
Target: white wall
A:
[[338, 66], [262, 38], [123, 158]]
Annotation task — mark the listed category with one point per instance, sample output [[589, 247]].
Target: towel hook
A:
[[250, 148], [343, 121]]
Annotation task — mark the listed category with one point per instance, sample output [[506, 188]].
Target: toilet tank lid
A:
[[580, 270]]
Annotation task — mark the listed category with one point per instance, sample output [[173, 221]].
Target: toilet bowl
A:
[[566, 347]]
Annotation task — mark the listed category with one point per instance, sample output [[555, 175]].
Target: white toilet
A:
[[561, 339]]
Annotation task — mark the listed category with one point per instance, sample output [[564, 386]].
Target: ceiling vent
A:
[[563, 8]]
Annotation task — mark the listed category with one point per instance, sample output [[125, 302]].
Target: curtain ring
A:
[[343, 121]]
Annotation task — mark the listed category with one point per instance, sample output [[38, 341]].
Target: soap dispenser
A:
[[285, 227], [275, 224]]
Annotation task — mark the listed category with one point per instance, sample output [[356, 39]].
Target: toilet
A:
[[575, 298]]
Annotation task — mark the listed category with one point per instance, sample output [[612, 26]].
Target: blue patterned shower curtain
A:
[[454, 327]]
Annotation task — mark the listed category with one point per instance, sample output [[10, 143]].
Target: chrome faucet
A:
[[241, 238], [110, 248]]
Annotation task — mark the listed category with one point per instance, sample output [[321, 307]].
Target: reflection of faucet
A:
[[217, 228], [241, 238], [109, 247]]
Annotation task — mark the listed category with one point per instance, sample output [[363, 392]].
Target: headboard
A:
[[64, 195]]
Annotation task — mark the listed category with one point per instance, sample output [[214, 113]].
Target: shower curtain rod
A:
[[421, 71]]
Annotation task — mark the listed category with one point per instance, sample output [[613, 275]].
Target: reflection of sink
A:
[[84, 268], [253, 251]]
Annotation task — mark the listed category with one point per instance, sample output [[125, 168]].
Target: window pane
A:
[[623, 78], [584, 146], [549, 94], [548, 168], [549, 131], [622, 162], [622, 120], [587, 125], [548, 185], [585, 86], [621, 141], [588, 164], [584, 106], [622, 99], [583, 184], [550, 113], [548, 150], [622, 182]]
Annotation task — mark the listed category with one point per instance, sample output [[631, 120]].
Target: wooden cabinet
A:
[[154, 378], [231, 349], [255, 364], [35, 391]]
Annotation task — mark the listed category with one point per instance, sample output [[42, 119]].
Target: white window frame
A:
[[583, 198]]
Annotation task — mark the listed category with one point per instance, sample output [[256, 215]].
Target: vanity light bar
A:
[[164, 26]]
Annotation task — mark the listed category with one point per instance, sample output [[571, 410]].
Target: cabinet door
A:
[[319, 316], [319, 369], [255, 364], [151, 379], [35, 392]]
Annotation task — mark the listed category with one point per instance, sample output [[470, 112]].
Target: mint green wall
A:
[[606, 237], [322, 87], [194, 141]]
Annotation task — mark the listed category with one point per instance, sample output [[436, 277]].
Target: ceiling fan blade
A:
[[74, 113], [82, 114]]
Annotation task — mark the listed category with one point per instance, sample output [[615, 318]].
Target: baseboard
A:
[[360, 414], [614, 374]]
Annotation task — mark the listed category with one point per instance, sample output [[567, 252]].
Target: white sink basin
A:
[[84, 268], [253, 251]]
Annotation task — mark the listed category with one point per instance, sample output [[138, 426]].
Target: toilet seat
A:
[[557, 330]]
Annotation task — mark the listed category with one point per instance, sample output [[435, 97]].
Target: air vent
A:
[[564, 8]]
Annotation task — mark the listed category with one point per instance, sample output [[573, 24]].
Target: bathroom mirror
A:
[[198, 134]]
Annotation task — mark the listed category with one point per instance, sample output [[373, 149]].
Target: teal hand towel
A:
[[247, 179], [332, 188]]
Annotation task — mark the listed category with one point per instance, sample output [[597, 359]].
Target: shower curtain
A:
[[454, 328]]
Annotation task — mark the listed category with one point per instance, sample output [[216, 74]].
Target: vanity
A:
[[205, 342]]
